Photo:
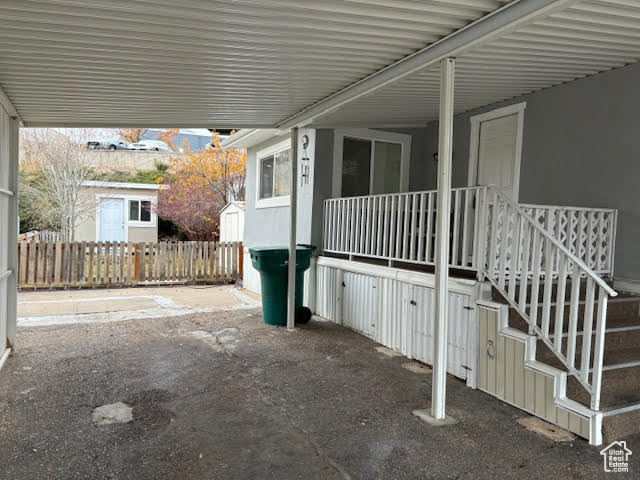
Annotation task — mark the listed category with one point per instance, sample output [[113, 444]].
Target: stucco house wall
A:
[[269, 226], [580, 148]]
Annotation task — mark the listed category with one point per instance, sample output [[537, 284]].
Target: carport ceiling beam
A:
[[490, 27]]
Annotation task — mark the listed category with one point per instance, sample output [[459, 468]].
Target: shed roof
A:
[[240, 205], [123, 185]]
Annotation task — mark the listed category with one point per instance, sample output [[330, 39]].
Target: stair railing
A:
[[516, 247]]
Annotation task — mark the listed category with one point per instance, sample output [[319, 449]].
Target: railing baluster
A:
[[465, 224], [503, 249], [536, 259], [381, 201], [573, 316], [560, 302], [587, 330], [495, 219], [367, 238], [358, 217], [421, 257], [386, 232], [524, 276], [414, 215], [456, 228], [515, 252], [393, 220], [398, 236], [598, 350], [405, 227], [549, 253], [427, 253]]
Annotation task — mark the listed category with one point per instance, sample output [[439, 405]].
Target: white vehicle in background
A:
[[113, 143], [153, 145]]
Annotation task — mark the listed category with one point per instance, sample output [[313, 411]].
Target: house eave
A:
[[250, 137]]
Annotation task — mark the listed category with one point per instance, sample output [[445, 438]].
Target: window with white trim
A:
[[140, 211], [273, 175]]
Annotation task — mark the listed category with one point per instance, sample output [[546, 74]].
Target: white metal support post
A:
[[293, 195], [8, 228], [445, 146]]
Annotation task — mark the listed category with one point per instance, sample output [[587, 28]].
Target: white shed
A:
[[232, 222]]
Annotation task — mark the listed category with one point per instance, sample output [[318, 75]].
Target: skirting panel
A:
[[503, 374], [397, 309], [250, 276]]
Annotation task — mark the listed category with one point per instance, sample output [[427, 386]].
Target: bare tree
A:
[[54, 165]]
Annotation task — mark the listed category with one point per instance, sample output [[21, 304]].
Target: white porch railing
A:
[[401, 226], [588, 233], [523, 260]]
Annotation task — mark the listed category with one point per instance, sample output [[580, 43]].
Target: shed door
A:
[[360, 300], [497, 153], [232, 226], [112, 220], [459, 359]]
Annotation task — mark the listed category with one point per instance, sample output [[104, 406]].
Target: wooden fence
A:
[[40, 236], [118, 264]]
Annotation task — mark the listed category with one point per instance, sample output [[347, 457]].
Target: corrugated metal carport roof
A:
[[253, 63], [204, 63], [586, 38]]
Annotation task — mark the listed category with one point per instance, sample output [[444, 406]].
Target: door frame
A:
[[99, 199], [474, 143]]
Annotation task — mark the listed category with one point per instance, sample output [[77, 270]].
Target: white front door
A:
[[496, 143], [111, 220]]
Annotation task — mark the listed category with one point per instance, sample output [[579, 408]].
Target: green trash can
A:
[[273, 265]]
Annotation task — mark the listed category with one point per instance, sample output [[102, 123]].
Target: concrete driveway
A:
[[220, 395], [59, 307]]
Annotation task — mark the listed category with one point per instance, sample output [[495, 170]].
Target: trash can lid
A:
[[273, 251]]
